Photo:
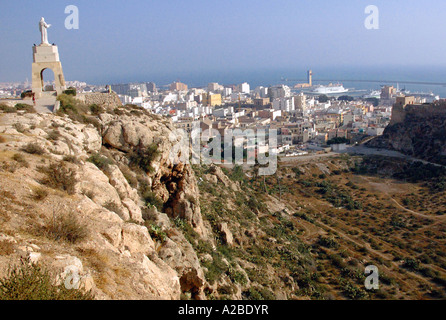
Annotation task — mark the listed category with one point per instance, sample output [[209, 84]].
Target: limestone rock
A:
[[226, 233], [160, 279], [136, 239], [93, 181], [120, 183], [179, 255], [134, 210]]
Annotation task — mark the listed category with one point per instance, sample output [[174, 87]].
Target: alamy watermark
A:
[[372, 280], [72, 278], [233, 147], [371, 22], [72, 20]]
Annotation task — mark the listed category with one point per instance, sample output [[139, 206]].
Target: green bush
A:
[[237, 174], [411, 264], [100, 161], [327, 242], [70, 91], [25, 107], [157, 233], [143, 157], [7, 109], [69, 105], [353, 292], [258, 294], [29, 281], [95, 109], [152, 199]]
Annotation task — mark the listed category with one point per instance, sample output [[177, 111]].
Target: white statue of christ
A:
[[43, 26]]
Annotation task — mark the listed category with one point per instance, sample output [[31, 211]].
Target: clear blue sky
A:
[[166, 39]]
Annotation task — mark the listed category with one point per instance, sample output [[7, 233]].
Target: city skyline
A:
[[149, 40]]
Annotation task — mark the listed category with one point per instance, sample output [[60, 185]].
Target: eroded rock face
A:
[[420, 134], [173, 182], [183, 193], [118, 247], [180, 256], [226, 233]]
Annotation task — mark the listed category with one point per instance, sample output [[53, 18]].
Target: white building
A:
[[284, 104], [213, 86], [244, 88], [280, 91], [227, 92], [261, 92]]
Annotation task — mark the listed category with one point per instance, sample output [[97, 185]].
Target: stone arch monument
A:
[[46, 56]]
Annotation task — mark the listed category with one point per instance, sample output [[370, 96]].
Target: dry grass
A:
[[59, 176], [20, 159], [66, 227], [40, 194], [2, 139], [29, 281], [33, 148], [6, 248], [94, 259]]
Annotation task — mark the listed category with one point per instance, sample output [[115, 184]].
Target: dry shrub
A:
[[21, 160], [11, 167], [113, 207], [30, 281], [40, 194], [33, 148], [59, 176], [19, 127], [54, 135], [95, 259], [71, 159], [65, 227], [6, 248]]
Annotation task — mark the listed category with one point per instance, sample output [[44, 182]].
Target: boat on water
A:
[[330, 89], [373, 94]]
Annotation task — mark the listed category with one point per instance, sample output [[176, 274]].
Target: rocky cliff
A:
[[74, 193], [417, 130], [100, 190], [96, 195]]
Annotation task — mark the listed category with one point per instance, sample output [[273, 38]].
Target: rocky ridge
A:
[[418, 131], [119, 259]]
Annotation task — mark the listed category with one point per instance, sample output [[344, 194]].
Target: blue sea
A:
[[393, 75]]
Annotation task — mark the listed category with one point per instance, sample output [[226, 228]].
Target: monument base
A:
[[46, 57]]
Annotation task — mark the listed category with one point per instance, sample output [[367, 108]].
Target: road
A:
[[43, 105], [356, 150]]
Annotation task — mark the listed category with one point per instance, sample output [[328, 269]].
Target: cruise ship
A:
[[330, 89]]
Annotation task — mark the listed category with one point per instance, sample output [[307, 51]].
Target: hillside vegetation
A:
[[99, 188]]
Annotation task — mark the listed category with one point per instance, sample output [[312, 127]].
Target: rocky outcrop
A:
[[179, 255], [173, 181], [119, 259], [419, 132]]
